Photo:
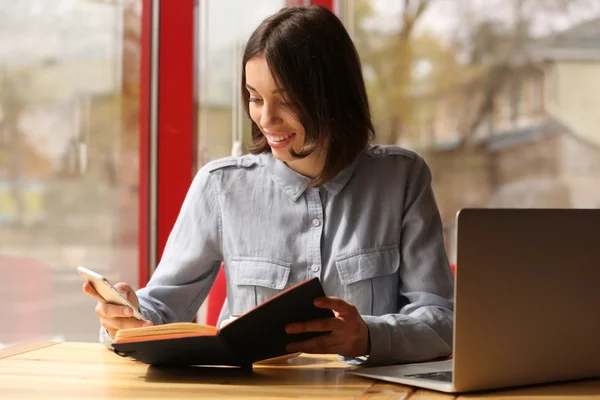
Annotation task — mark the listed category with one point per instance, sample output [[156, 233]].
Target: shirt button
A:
[[316, 222], [314, 268]]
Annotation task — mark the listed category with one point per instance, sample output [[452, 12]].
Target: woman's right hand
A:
[[115, 316]]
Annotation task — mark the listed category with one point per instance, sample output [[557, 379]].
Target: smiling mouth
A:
[[279, 141], [278, 138]]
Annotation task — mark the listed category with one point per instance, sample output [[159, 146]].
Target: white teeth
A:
[[278, 138]]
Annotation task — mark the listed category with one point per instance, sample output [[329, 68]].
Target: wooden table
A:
[[90, 371]]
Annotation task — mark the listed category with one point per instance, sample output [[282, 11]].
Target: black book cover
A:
[[256, 335]]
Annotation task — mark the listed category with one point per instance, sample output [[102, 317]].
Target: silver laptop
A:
[[527, 303]]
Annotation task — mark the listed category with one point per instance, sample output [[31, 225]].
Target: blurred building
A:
[[537, 143]]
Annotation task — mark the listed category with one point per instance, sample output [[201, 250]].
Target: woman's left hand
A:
[[349, 333]]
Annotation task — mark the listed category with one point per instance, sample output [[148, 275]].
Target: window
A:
[[482, 56], [224, 28], [69, 160]]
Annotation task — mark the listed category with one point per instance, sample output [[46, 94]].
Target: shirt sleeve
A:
[[190, 260], [422, 328]]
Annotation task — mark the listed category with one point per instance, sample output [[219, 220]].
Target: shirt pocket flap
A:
[[367, 264], [259, 272]]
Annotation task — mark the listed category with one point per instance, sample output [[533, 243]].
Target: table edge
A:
[[24, 347]]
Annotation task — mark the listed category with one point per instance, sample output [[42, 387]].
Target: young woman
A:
[[313, 199]]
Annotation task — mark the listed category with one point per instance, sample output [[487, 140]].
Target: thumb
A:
[[128, 292]]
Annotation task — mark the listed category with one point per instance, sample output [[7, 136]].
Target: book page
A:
[[165, 331]]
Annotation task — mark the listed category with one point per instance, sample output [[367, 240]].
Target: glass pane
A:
[[224, 28], [500, 97], [69, 82]]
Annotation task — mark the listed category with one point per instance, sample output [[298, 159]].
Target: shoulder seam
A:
[[379, 151], [240, 162]]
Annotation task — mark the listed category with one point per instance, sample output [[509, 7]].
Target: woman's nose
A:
[[269, 117]]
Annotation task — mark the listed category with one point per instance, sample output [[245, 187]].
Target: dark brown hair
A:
[[311, 55]]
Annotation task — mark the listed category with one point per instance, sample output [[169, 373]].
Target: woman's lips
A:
[[273, 141]]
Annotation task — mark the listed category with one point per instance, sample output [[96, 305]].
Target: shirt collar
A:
[[294, 184], [336, 185]]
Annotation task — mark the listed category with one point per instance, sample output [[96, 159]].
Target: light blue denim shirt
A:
[[373, 236]]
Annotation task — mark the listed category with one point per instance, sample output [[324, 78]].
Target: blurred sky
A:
[[66, 29], [444, 17], [31, 30], [35, 30]]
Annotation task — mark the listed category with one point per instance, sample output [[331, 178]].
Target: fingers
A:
[[114, 317], [335, 303], [128, 292], [90, 291], [315, 325], [125, 289], [347, 345], [113, 325], [107, 310], [348, 333], [122, 323], [326, 344]]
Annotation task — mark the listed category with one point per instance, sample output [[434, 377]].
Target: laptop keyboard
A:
[[442, 376]]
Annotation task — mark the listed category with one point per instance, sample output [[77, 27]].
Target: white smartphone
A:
[[107, 290]]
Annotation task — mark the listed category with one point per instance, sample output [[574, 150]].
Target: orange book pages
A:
[[178, 329], [161, 337]]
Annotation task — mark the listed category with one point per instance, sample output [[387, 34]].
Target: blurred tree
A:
[[501, 48], [131, 67], [402, 69], [387, 57], [12, 103]]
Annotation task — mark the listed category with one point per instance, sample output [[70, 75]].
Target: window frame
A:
[[168, 119]]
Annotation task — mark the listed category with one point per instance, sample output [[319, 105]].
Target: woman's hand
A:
[[115, 316], [349, 333]]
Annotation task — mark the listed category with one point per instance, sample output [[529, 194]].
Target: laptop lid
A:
[[527, 297]]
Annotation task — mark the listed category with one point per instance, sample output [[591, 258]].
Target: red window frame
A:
[[167, 102], [144, 140], [325, 3], [170, 79]]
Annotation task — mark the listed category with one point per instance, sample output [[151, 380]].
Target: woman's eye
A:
[[254, 100]]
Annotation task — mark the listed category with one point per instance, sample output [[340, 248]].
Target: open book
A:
[[256, 335], [166, 331]]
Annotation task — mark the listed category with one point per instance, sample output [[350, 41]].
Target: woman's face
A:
[[277, 121]]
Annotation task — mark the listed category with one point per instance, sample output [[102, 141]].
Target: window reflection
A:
[[224, 28], [69, 81], [501, 97]]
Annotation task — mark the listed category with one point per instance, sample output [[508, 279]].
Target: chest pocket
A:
[[369, 279], [255, 280]]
